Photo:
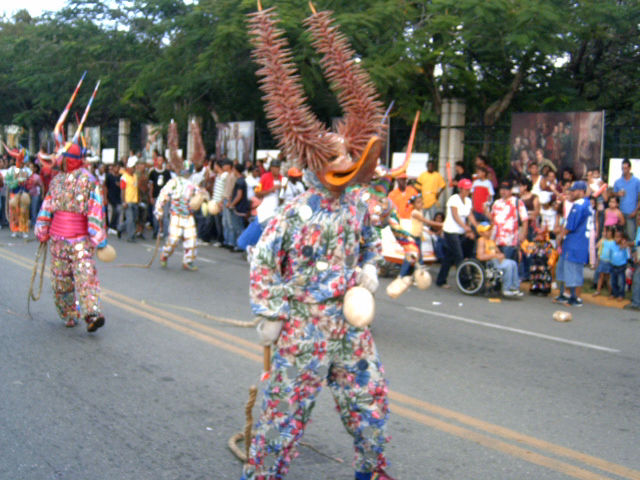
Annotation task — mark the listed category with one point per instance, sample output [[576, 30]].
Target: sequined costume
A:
[[178, 192], [74, 280], [19, 199], [301, 269]]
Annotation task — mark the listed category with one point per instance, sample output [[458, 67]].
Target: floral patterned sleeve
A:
[[267, 286], [43, 222], [95, 215]]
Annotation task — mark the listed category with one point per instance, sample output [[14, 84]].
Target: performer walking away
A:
[[19, 200], [311, 252], [72, 221], [182, 196]]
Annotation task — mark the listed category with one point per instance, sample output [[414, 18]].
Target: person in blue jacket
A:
[[575, 243]]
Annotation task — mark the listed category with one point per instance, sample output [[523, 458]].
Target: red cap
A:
[[465, 183]]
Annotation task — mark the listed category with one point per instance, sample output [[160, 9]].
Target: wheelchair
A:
[[474, 277]]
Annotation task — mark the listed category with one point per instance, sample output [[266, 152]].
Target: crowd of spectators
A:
[[548, 227]]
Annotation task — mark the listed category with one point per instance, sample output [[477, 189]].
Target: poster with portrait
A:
[[566, 139], [151, 139], [235, 140], [92, 136]]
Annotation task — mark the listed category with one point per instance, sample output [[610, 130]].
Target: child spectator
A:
[[612, 214], [603, 270], [618, 255], [482, 194]]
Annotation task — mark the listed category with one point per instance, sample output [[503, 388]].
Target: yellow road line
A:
[[207, 334]]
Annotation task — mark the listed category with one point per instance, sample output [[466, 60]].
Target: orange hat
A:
[[402, 175], [294, 172]]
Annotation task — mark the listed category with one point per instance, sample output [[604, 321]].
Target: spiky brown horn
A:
[[355, 91], [299, 132], [199, 153], [175, 159]]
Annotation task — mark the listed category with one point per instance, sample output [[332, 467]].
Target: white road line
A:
[[515, 330]]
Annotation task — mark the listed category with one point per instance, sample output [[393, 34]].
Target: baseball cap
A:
[[483, 227], [578, 185], [131, 162], [465, 183], [274, 163], [294, 172], [506, 184]]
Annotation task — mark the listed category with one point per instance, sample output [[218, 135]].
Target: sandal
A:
[[596, 293], [94, 323]]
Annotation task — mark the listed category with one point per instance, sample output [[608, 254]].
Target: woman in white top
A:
[[455, 229]]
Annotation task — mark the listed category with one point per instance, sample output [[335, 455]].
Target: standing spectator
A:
[[627, 189], [114, 196], [238, 206], [575, 245], [618, 255], [268, 191], [129, 198], [461, 172], [144, 199], [227, 228], [603, 270], [482, 161], [35, 187], [431, 185], [455, 230], [401, 196], [293, 185], [158, 178], [253, 180], [635, 284], [506, 214], [481, 195], [221, 170]]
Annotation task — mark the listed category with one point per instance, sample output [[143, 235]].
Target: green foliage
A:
[[163, 59]]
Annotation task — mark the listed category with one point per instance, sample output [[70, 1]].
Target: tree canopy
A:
[[163, 59]]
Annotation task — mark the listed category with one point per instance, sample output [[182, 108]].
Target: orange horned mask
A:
[[339, 159]]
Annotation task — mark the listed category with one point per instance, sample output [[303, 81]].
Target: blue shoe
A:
[[575, 302], [561, 299]]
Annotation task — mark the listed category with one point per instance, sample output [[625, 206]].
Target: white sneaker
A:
[[14, 234], [25, 235], [112, 231]]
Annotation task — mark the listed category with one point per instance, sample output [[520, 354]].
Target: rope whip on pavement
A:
[[147, 265], [41, 260]]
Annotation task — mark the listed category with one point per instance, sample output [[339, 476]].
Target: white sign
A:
[[267, 155], [615, 169], [417, 163], [108, 156]]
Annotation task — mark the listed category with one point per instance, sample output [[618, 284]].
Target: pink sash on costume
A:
[[69, 225]]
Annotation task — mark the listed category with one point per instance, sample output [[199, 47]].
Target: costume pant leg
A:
[[174, 235], [360, 393], [14, 212], [299, 365], [62, 279], [190, 236], [85, 279]]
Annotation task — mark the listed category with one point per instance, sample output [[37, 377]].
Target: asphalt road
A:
[[478, 390]]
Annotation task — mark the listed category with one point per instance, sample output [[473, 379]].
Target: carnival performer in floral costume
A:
[[311, 252], [71, 219], [19, 199], [182, 196]]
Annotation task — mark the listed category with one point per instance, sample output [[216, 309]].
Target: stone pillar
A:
[[33, 148], [456, 131], [124, 129], [443, 156], [190, 145]]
